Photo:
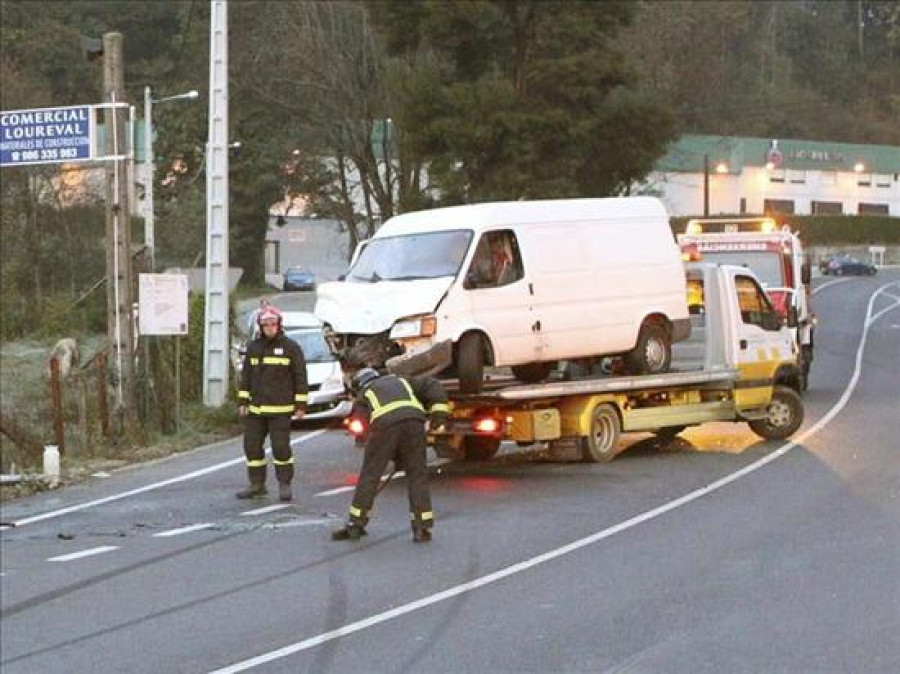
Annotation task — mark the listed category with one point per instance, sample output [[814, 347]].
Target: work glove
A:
[[437, 423]]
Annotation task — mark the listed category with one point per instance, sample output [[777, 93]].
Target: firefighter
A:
[[395, 410], [273, 391]]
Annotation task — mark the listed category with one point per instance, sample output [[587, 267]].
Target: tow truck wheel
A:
[[601, 445], [783, 416], [653, 352], [470, 363], [480, 447], [532, 373]]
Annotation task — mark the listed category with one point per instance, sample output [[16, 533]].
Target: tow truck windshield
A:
[[765, 264], [413, 256]]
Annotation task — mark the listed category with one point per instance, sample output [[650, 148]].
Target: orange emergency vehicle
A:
[[776, 256]]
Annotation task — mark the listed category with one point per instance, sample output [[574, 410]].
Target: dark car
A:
[[299, 278], [845, 266]]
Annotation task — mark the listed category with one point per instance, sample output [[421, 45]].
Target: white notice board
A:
[[163, 304]]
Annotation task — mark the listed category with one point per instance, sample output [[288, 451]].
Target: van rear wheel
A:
[[470, 363], [602, 443], [532, 373], [653, 352]]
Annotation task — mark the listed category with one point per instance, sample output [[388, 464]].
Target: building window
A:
[[743, 205], [828, 178], [873, 209], [882, 180], [778, 206], [777, 176], [273, 257], [827, 208], [796, 177], [864, 180]]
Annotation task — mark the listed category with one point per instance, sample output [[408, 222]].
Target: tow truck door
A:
[[762, 343]]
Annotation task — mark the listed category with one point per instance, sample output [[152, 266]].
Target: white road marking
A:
[[150, 487], [338, 490], [829, 283], [265, 509], [527, 564], [184, 530], [83, 553]]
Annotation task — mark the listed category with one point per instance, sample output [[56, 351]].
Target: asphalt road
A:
[[716, 553]]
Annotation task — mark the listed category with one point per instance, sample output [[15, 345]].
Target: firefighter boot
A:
[[255, 490], [284, 492], [352, 531], [421, 534], [257, 478]]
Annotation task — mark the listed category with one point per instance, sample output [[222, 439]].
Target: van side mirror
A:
[[806, 272], [342, 277]]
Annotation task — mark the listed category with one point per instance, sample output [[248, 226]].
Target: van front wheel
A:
[[532, 373], [653, 352], [470, 363]]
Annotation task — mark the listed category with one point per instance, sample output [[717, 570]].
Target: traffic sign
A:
[[47, 135]]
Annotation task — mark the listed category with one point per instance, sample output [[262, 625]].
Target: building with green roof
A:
[[735, 175]]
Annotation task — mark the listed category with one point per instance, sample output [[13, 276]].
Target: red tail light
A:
[[486, 425], [355, 426]]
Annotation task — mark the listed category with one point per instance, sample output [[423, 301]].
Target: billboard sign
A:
[[163, 304], [47, 135]]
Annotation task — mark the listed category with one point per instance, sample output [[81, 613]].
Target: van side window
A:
[[497, 261], [753, 303]]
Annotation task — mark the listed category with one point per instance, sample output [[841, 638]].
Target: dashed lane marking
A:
[[184, 530], [83, 553], [265, 509]]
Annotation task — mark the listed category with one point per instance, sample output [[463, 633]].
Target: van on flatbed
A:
[[740, 364]]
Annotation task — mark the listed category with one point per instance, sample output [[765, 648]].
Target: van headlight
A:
[[417, 326]]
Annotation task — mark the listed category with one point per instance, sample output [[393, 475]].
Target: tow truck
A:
[[739, 365], [777, 257]]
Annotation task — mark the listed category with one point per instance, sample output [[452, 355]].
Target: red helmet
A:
[[268, 314]]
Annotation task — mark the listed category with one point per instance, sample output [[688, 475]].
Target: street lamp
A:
[[149, 101]]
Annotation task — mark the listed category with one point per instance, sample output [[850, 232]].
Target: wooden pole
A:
[[101, 394], [56, 400]]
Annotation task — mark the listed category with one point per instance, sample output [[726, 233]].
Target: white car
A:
[[327, 395]]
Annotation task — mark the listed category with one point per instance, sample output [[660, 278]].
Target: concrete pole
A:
[[149, 174], [217, 330], [120, 326]]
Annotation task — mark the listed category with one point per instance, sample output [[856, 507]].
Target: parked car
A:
[[299, 278], [327, 395], [845, 266]]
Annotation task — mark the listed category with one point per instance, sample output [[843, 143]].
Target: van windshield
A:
[[411, 256]]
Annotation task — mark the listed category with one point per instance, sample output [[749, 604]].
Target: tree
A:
[[525, 99]]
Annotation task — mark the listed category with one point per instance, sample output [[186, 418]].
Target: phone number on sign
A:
[[45, 155]]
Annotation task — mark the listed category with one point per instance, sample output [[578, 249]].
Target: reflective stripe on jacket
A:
[[273, 380], [390, 399]]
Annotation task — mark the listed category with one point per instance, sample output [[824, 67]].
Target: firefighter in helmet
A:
[[273, 391], [395, 410]]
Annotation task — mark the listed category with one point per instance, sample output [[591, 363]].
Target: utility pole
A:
[[120, 326], [150, 169], [705, 185], [217, 330]]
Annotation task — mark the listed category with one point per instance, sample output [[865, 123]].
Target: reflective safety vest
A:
[[273, 380], [390, 399]]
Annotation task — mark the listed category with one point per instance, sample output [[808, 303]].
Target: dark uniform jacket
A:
[[273, 381], [390, 399]]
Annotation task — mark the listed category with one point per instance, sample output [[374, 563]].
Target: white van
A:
[[522, 284]]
